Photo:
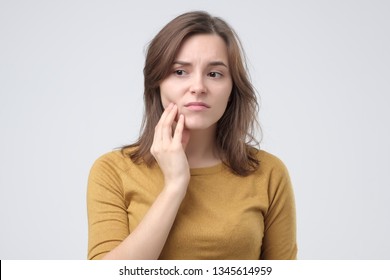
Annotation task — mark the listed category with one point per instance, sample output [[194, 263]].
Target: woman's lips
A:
[[196, 106]]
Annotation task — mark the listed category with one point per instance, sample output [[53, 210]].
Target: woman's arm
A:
[[147, 240], [279, 241]]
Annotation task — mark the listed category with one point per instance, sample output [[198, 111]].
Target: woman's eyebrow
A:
[[218, 63], [183, 63], [212, 63]]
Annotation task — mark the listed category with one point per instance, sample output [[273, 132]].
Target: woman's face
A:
[[200, 82]]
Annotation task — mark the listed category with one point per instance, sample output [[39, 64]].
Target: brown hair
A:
[[235, 129]]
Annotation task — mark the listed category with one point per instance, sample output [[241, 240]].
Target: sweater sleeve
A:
[[107, 209], [279, 241]]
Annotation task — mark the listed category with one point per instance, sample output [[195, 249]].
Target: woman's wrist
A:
[[175, 191]]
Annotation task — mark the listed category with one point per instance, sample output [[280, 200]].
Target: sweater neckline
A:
[[206, 170]]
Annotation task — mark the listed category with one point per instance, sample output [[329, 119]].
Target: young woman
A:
[[193, 186]]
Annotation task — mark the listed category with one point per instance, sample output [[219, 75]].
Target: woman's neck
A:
[[201, 149]]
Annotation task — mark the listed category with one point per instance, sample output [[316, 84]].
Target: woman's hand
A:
[[169, 150]]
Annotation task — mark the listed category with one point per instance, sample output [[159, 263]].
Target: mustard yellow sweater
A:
[[223, 216]]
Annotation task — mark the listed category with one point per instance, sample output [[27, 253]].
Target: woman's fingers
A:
[[178, 135], [167, 125], [163, 137], [168, 148], [158, 129]]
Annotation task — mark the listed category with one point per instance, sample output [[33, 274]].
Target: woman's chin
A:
[[196, 126]]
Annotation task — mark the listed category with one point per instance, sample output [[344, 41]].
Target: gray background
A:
[[71, 89]]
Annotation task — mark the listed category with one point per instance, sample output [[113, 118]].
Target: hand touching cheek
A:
[[169, 149]]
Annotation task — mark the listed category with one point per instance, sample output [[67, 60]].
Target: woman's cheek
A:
[[164, 103], [178, 114]]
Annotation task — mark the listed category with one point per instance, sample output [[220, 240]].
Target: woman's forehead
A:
[[203, 47]]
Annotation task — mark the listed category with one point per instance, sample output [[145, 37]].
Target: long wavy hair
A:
[[236, 129]]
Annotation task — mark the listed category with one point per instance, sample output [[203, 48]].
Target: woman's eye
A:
[[215, 75], [179, 72]]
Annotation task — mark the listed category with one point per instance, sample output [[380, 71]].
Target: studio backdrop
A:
[[71, 88]]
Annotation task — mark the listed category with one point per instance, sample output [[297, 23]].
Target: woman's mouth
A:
[[196, 106]]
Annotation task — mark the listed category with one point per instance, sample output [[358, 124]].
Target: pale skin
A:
[[195, 96]]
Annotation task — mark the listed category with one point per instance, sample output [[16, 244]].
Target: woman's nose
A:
[[198, 85]]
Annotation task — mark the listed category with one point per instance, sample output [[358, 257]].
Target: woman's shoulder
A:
[[274, 172], [269, 162], [115, 160]]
